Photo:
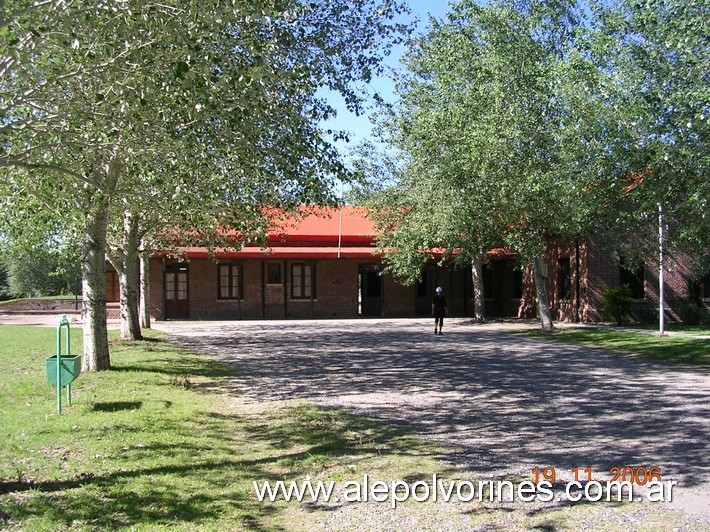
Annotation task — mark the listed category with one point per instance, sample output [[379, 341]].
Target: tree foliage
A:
[[35, 263], [179, 112], [660, 96], [521, 120], [37, 271], [485, 121]]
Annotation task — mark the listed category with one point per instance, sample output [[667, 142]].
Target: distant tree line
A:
[[37, 272]]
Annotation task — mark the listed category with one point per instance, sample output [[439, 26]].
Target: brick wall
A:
[[336, 293], [603, 268], [565, 308], [500, 297], [156, 289], [399, 299], [457, 289], [592, 265], [336, 290], [335, 296]]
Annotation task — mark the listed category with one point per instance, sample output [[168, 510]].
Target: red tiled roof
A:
[[500, 254], [324, 233], [324, 224], [286, 252]]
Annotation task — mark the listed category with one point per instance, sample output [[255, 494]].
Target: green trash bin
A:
[[70, 369], [62, 369]]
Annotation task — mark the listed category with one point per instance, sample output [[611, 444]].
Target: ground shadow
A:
[[508, 402], [288, 444], [116, 406]]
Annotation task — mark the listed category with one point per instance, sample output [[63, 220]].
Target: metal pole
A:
[[661, 302], [340, 223], [68, 352], [59, 367]]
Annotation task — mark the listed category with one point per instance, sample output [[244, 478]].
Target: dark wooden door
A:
[[177, 304], [371, 290], [112, 287]]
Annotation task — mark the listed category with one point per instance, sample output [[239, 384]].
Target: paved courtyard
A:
[[507, 403]]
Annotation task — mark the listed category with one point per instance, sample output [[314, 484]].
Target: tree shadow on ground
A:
[[115, 406], [159, 359], [173, 484], [509, 403]]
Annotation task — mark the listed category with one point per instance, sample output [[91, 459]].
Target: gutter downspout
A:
[[340, 230]]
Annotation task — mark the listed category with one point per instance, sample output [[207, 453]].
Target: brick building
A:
[[325, 266], [577, 272]]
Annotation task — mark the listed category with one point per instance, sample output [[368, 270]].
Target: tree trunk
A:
[[479, 302], [541, 288], [93, 274], [128, 284], [125, 260], [144, 305]]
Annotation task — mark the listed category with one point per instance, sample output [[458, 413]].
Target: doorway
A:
[[176, 299], [370, 290]]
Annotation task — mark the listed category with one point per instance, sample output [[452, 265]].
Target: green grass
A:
[[154, 443], [673, 349], [157, 443], [702, 330]]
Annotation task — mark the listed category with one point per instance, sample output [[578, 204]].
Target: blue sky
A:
[[359, 127]]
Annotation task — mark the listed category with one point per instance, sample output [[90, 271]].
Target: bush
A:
[[617, 302]]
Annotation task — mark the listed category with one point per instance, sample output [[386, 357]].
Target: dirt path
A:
[[47, 319], [508, 402]]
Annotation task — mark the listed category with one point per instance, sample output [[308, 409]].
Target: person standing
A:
[[438, 309]]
